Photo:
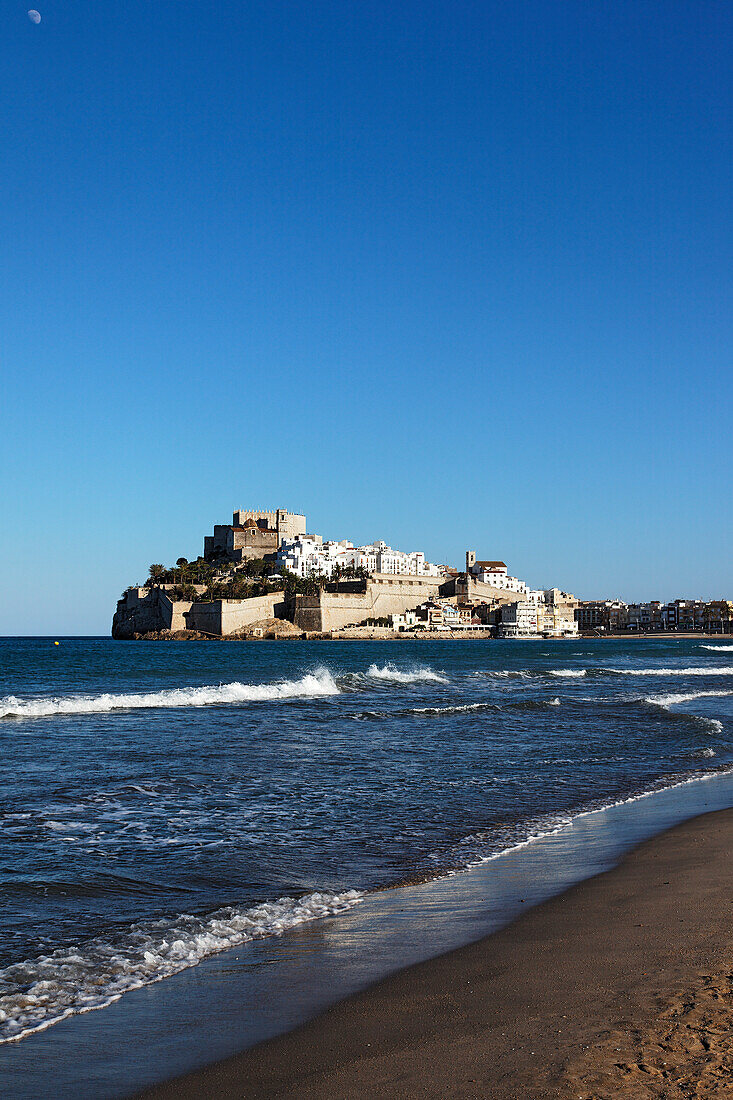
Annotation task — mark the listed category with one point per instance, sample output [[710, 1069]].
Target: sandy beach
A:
[[620, 987]]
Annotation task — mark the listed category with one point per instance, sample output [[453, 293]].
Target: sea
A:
[[163, 803]]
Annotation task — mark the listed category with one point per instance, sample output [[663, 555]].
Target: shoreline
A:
[[365, 634], [619, 1008], [232, 1004]]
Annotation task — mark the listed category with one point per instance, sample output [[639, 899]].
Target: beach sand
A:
[[622, 987]]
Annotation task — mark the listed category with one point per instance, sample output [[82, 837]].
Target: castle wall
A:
[[230, 616], [289, 525], [144, 611], [385, 595], [473, 591], [251, 542]]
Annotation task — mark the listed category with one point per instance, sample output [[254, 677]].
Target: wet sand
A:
[[620, 987]]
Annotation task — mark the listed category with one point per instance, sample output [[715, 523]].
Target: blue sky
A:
[[448, 274]]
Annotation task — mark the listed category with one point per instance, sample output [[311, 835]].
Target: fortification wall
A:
[[477, 591], [144, 610], [385, 595], [230, 616]]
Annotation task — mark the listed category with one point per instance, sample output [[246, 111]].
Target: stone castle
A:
[[253, 535], [156, 608]]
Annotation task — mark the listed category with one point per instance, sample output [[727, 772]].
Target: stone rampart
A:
[[385, 595], [146, 611], [224, 617]]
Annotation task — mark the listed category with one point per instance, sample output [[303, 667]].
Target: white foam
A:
[[41, 992], [502, 673], [685, 697], [550, 826], [460, 708], [567, 672], [404, 676], [711, 671], [719, 648], [454, 710], [316, 683], [666, 702]]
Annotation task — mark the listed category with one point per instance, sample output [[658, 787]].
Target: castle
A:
[[253, 534]]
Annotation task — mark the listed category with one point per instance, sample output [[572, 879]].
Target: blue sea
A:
[[164, 802]]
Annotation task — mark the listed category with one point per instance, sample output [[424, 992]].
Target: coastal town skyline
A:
[[265, 575], [648, 604]]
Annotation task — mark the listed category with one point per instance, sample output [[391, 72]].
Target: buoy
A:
[[55, 643]]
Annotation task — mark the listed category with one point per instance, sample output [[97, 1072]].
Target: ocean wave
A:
[[719, 648], [463, 708], [684, 697], [40, 992], [503, 673], [459, 708], [726, 670], [316, 683], [395, 675], [666, 702], [569, 672], [548, 825]]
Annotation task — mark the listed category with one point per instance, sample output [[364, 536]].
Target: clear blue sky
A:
[[450, 274]]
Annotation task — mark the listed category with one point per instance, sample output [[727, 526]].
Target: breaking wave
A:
[[40, 992], [458, 709], [480, 848], [503, 673], [685, 697], [719, 648], [666, 702], [519, 704], [316, 683], [404, 676], [569, 672], [712, 671]]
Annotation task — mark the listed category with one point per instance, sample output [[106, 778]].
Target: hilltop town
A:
[[263, 575]]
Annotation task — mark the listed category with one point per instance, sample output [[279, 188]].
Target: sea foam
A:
[[396, 675], [666, 702], [40, 992], [316, 683], [726, 670], [685, 697], [719, 648]]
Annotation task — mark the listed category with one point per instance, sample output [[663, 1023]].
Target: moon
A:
[[34, 16]]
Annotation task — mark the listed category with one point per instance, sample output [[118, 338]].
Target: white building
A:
[[309, 555], [494, 573], [518, 619]]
